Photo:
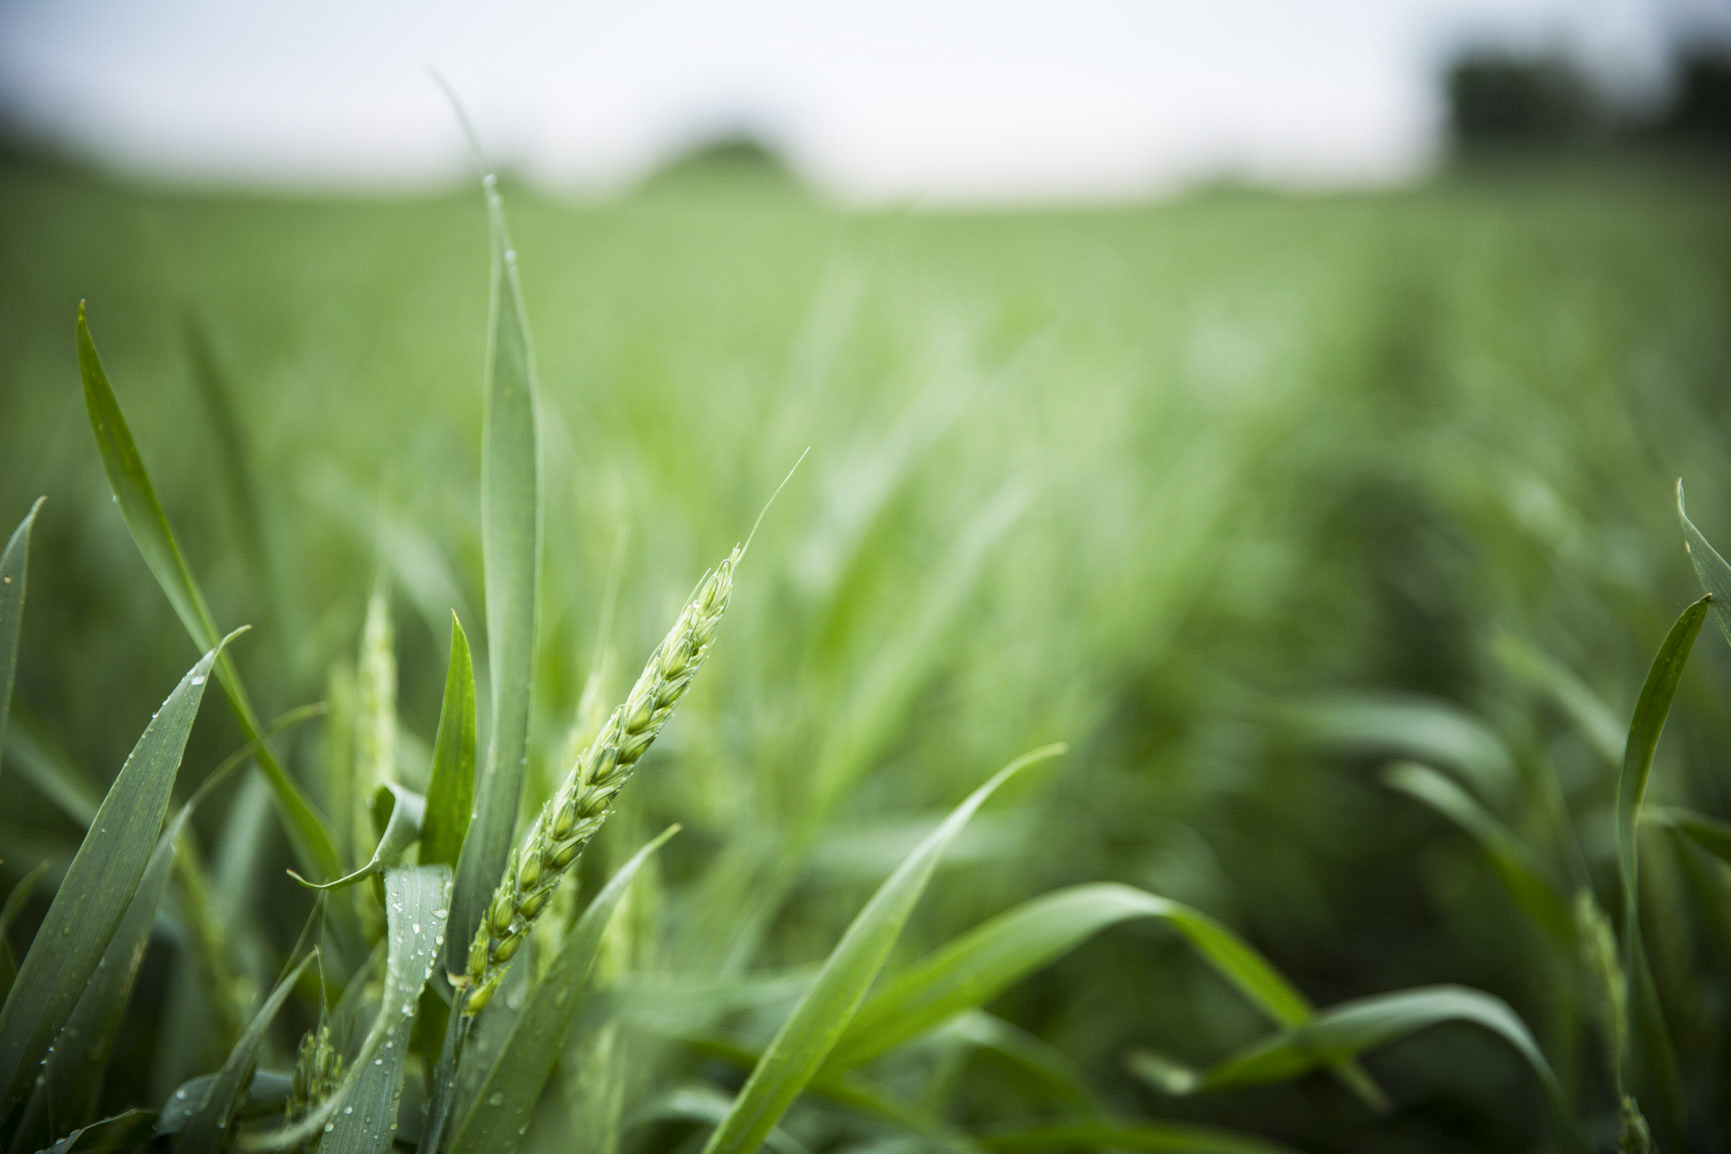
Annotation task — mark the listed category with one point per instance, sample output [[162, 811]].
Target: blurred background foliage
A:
[[1241, 495]]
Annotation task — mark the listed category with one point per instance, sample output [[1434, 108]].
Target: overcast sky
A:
[[1046, 100]]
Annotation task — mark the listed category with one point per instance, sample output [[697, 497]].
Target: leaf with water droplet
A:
[[373, 1085], [98, 888]]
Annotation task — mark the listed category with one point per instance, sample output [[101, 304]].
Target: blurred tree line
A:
[[1501, 100]]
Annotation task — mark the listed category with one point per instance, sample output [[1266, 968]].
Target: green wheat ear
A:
[[566, 824]]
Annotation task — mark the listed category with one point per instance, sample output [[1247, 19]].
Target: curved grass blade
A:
[[451, 787], [9, 914], [983, 963], [206, 1130], [126, 1131], [817, 1023], [402, 827], [416, 901], [1710, 567], [150, 531], [1660, 1077], [362, 1112], [1651, 711], [268, 1090], [98, 887], [1111, 1134], [14, 562], [511, 556], [67, 1088], [1352, 1028], [1513, 861], [501, 1107]]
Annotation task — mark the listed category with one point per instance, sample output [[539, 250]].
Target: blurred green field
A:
[[1240, 496]]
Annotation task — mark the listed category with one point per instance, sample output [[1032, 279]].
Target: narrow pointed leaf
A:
[[268, 1091], [501, 1108], [73, 1073], [511, 552], [1353, 1028], [148, 525], [207, 1127], [1710, 567], [978, 966], [416, 902], [818, 1021], [402, 827], [126, 1131], [39, 759], [14, 562], [98, 887], [1513, 861], [1651, 710], [1111, 1134], [451, 787], [362, 1110]]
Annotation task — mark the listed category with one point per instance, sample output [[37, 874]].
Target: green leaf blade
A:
[[148, 525], [451, 786], [98, 887], [14, 563], [511, 551], [819, 1020]]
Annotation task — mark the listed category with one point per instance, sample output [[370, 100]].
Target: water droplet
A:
[[329, 1126], [348, 1109], [496, 1098], [416, 926], [378, 1061], [198, 679]]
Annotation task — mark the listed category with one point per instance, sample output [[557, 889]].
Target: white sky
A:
[[945, 100]]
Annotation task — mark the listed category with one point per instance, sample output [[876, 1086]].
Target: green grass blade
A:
[[1651, 710], [417, 905], [977, 967], [8, 914], [14, 563], [1710, 567], [511, 555], [72, 1075], [267, 1091], [207, 1127], [1111, 1134], [127, 1131], [1513, 861], [148, 525], [822, 1015], [451, 787], [1037, 1060], [98, 887], [402, 828], [501, 1107], [1352, 1028], [362, 1111]]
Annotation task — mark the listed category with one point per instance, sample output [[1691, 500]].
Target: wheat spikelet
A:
[[567, 822]]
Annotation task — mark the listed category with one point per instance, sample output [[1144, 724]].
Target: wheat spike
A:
[[566, 824]]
